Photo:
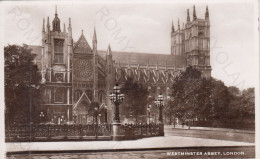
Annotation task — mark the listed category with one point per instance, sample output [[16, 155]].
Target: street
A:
[[149, 154], [195, 139], [222, 134]]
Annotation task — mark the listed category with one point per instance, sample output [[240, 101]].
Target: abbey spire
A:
[[94, 36], [43, 25], [172, 28], [179, 25], [56, 22], [48, 25], [188, 16], [207, 13], [109, 52], [94, 41], [70, 32], [64, 28], [48, 38], [194, 13]]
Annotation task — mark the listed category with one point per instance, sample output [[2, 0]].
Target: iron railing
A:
[[80, 132], [57, 132], [137, 131]]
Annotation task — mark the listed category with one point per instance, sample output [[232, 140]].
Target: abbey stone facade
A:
[[74, 74]]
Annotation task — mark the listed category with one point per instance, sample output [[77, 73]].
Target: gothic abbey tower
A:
[[192, 41], [57, 48]]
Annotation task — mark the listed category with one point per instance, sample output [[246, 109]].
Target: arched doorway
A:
[[81, 110]]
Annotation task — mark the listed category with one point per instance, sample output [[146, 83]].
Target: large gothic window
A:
[[58, 51], [201, 35]]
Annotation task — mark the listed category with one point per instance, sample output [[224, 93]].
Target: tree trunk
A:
[[170, 118], [173, 121], [136, 118]]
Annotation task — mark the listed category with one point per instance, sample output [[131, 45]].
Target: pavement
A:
[[164, 142], [210, 129]]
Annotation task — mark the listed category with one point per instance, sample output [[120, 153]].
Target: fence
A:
[[137, 131], [25, 133], [58, 132]]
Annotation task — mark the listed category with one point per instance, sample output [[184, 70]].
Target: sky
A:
[[138, 26]]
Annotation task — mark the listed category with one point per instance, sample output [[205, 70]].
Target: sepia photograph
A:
[[129, 79]]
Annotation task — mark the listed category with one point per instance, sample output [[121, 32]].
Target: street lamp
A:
[[62, 119], [148, 109], [41, 116], [105, 114], [96, 114], [99, 118], [116, 98], [75, 117], [159, 103]]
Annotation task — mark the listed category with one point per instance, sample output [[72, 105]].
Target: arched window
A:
[[58, 51], [201, 60], [59, 95], [77, 95], [201, 36]]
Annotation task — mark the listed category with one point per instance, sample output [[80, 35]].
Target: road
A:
[[222, 134], [225, 134]]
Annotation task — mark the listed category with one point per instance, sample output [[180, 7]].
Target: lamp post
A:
[[96, 114], [148, 109], [62, 119], [159, 103], [41, 116], [75, 117], [99, 118], [116, 98], [105, 114]]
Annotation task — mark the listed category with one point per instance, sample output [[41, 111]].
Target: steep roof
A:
[[82, 45], [145, 58], [83, 97]]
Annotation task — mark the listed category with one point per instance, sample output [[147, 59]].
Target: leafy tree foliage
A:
[[208, 99], [21, 85], [136, 98], [248, 103], [186, 94]]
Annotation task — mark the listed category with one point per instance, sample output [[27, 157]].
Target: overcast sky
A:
[[142, 27]]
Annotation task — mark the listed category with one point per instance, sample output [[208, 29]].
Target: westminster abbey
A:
[[74, 74]]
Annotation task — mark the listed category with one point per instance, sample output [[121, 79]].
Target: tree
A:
[[234, 91], [208, 99], [221, 98], [205, 101], [248, 104], [186, 89], [21, 85], [136, 98]]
